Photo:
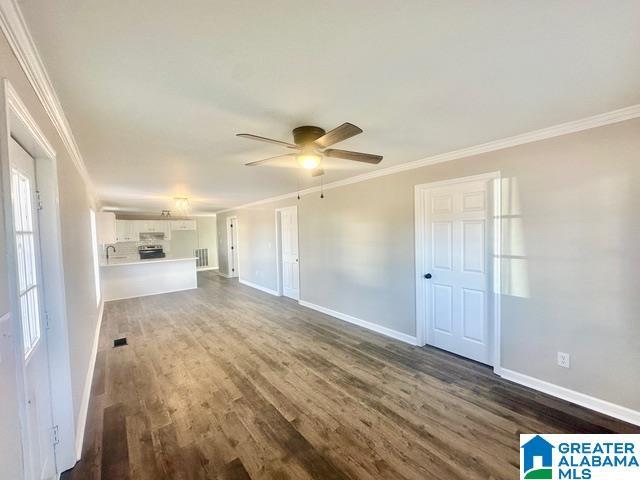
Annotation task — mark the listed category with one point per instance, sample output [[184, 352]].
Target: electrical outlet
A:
[[564, 360]]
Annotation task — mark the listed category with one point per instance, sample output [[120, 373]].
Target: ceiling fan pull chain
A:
[[298, 184], [322, 187]]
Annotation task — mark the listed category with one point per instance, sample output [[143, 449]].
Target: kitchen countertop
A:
[[135, 260]]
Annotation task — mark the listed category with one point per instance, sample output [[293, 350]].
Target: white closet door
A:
[[290, 260], [456, 279]]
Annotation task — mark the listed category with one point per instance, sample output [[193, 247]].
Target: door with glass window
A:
[[39, 444]]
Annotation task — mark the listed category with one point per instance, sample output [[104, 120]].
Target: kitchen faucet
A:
[[108, 247]]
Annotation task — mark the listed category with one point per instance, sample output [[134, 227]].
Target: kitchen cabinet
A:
[[183, 224], [126, 231], [130, 230], [150, 226], [106, 227], [166, 229], [155, 226]]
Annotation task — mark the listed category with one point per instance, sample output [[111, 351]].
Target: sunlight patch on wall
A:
[[514, 266], [359, 251]]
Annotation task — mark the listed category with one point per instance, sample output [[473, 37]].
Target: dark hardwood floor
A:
[[227, 382]]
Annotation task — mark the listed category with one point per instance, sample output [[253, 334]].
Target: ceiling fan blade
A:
[[356, 156], [338, 134], [270, 159], [317, 172], [267, 140]]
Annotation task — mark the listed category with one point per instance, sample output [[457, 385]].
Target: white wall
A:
[[570, 254], [10, 452]]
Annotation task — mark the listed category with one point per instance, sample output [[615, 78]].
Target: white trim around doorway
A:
[[16, 122], [496, 247], [278, 246]]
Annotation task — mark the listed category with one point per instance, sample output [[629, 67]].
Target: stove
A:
[[150, 251]]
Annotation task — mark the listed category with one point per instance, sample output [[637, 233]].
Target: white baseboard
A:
[[259, 287], [622, 413], [225, 275], [205, 269], [86, 393], [403, 337]]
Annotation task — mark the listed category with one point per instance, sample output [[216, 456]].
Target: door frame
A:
[[494, 249], [236, 273], [16, 122], [278, 243]]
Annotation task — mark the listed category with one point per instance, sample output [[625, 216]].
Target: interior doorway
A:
[[457, 268], [288, 259], [232, 246]]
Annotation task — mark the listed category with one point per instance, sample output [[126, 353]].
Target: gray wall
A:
[[183, 243], [81, 303], [223, 260], [207, 238], [570, 255]]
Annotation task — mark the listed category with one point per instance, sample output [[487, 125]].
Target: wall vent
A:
[[203, 257]]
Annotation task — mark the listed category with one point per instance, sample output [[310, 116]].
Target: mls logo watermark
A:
[[536, 457], [580, 457]]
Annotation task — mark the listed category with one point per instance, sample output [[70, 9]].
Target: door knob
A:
[[427, 275]]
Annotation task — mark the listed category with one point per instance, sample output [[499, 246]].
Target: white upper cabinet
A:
[[154, 226], [106, 223], [126, 231], [130, 230], [183, 224], [150, 226]]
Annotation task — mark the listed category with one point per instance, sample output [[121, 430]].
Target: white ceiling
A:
[[155, 90]]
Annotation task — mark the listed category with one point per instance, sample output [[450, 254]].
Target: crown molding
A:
[[20, 110], [600, 120], [15, 30]]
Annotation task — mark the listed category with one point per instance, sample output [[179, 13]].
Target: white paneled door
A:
[[456, 276], [39, 449], [289, 244]]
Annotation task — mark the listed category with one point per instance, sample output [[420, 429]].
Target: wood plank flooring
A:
[[227, 382]]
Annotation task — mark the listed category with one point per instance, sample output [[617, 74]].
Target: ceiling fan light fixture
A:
[[312, 142], [309, 161]]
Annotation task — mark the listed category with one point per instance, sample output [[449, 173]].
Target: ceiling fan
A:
[[311, 144]]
